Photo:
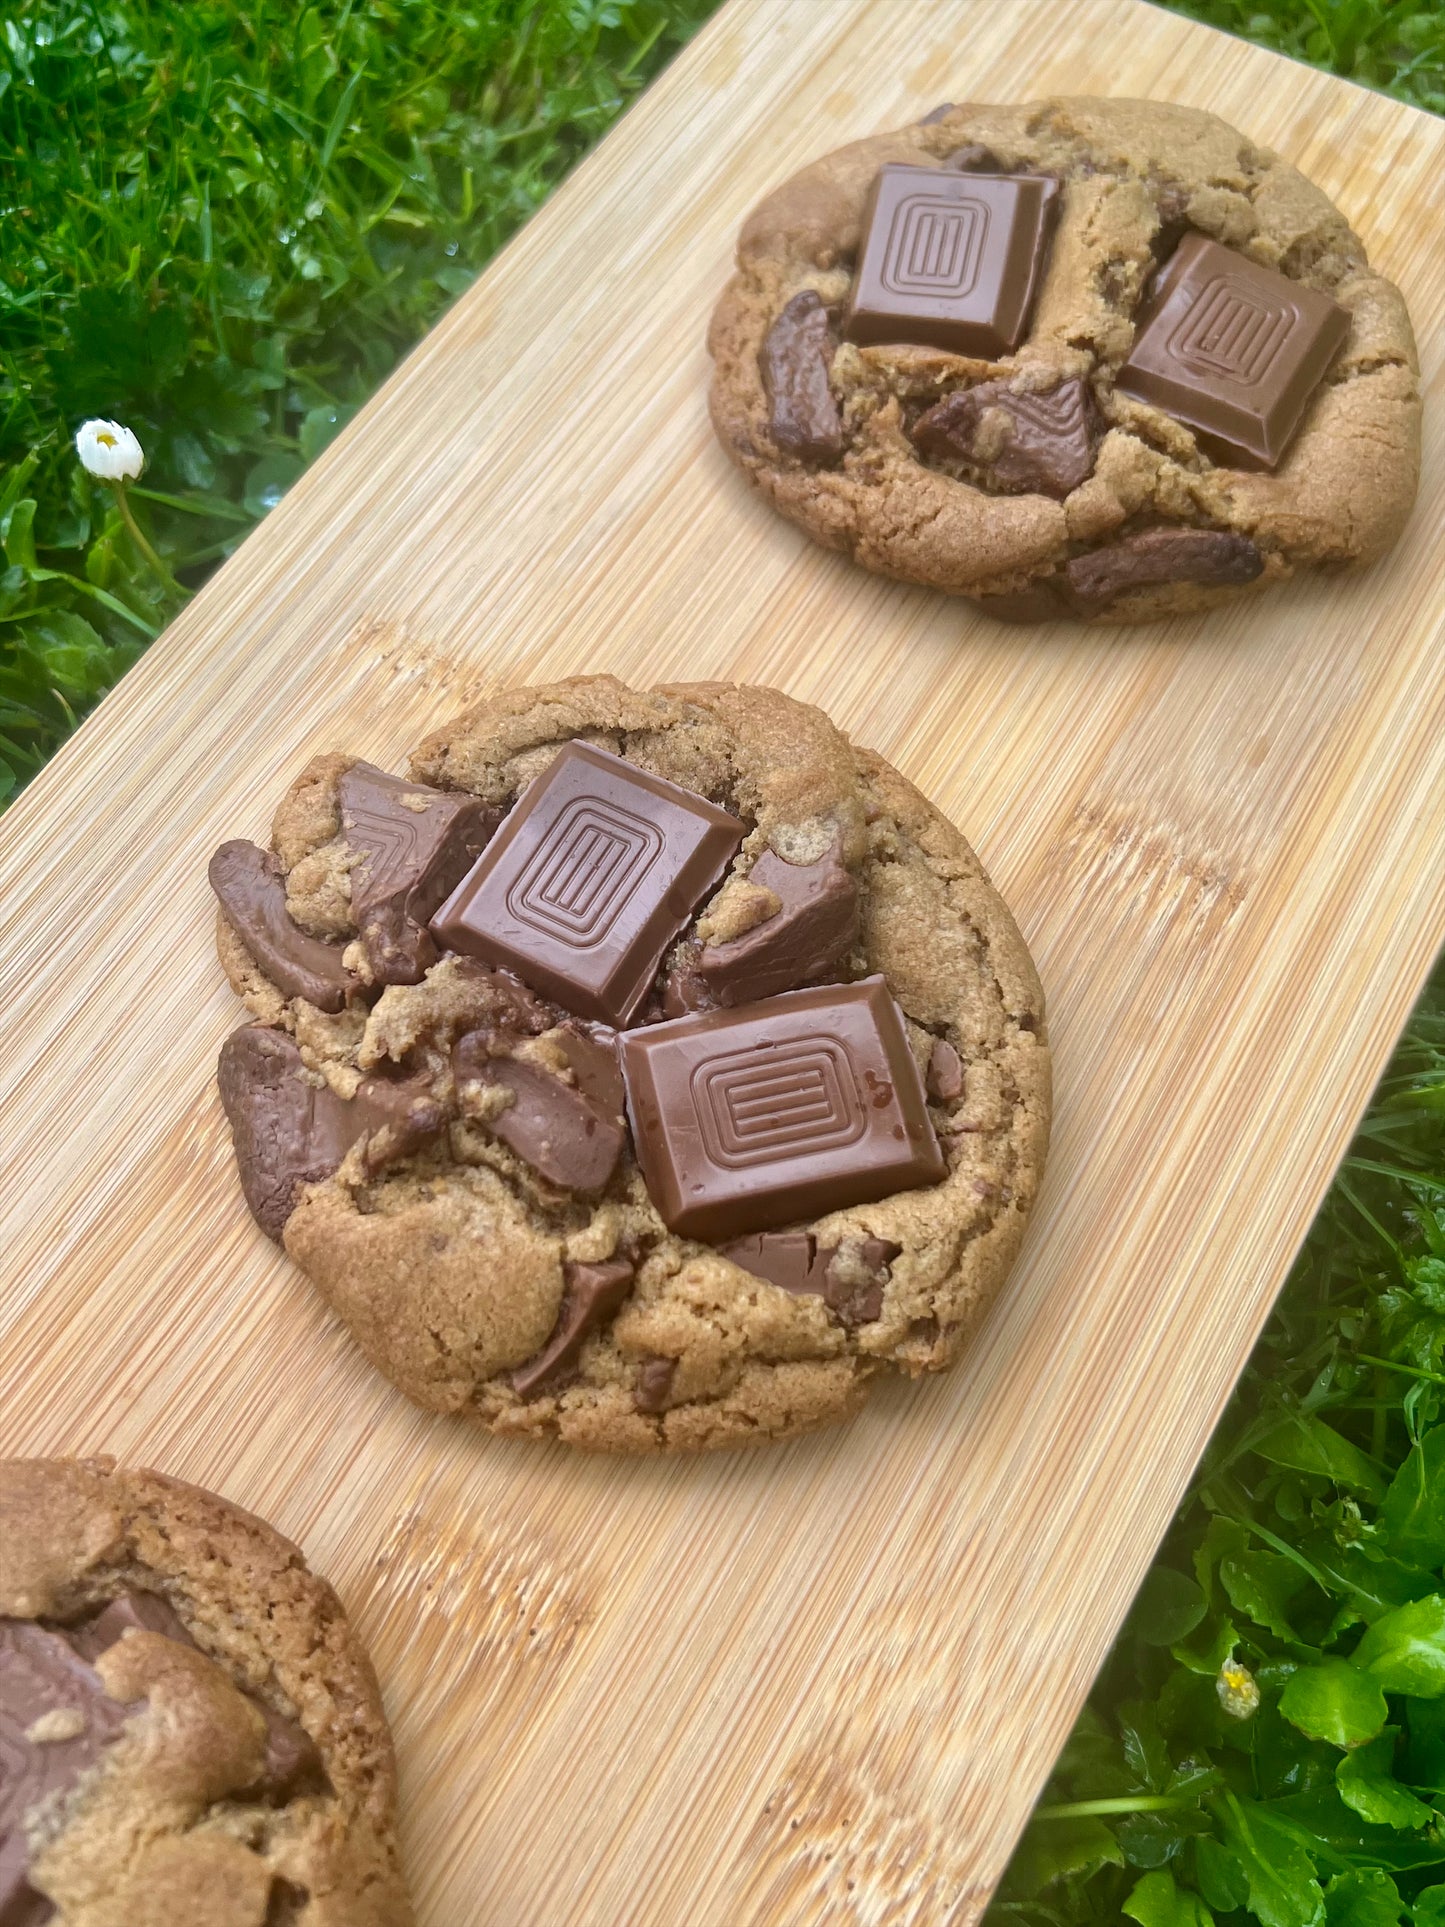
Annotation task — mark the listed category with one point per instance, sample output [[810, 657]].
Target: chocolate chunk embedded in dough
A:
[[1034, 443], [251, 887], [591, 1294], [652, 1386], [292, 1763], [803, 417], [808, 937], [289, 1132], [591, 1053], [56, 1719], [566, 1136], [1212, 557], [848, 1277], [944, 1077], [416, 844]]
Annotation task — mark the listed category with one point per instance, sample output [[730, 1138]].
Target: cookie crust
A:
[[155, 1834], [1136, 176], [448, 1267]]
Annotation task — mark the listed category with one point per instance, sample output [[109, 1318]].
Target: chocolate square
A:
[[951, 260], [748, 1119], [596, 869], [1233, 350]]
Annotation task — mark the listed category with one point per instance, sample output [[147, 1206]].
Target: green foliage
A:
[[1315, 1536], [1396, 45], [224, 224]]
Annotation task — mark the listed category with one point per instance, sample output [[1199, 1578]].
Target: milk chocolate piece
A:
[[416, 844], [745, 1120], [592, 1058], [289, 1132], [1153, 556], [652, 1387], [940, 112], [251, 887], [591, 1295], [813, 931], [1040, 443], [1038, 602], [951, 260], [567, 1136], [803, 417], [1233, 350], [594, 872], [41, 1676], [292, 1764], [849, 1277], [944, 1078]]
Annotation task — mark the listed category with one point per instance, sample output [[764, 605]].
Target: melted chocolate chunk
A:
[[1022, 442], [591, 1295], [813, 931], [56, 1719], [803, 417], [416, 845], [597, 868], [567, 1136], [1038, 602], [251, 887], [944, 1079], [289, 1132], [591, 1055], [1157, 556], [292, 1764], [941, 112], [849, 1278], [652, 1387], [745, 1120]]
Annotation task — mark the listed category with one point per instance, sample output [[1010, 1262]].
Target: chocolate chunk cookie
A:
[[1102, 360], [725, 1089], [190, 1734]]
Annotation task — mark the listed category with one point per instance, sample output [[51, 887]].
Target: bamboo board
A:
[[820, 1684]]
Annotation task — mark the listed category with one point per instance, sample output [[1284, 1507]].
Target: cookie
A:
[[190, 1733], [722, 1088], [1104, 360]]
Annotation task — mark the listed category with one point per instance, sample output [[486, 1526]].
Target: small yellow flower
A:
[[109, 451], [1238, 1693]]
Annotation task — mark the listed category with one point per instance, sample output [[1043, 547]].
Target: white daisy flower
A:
[[109, 451]]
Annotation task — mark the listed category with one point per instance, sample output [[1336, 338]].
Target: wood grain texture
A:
[[820, 1684]]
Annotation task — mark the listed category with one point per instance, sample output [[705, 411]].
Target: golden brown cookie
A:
[[449, 1156], [190, 1733], [1066, 478]]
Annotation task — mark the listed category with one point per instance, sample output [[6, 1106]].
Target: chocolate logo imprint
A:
[[582, 877], [934, 246], [1233, 329], [754, 1106]]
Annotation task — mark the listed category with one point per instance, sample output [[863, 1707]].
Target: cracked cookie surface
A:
[[461, 1113], [190, 1733], [1034, 484]]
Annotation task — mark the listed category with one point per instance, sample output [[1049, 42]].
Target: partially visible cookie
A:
[[550, 1181], [1098, 359], [190, 1733]]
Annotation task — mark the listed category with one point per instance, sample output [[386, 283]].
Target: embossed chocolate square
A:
[[951, 260], [752, 1118], [1233, 350], [592, 875]]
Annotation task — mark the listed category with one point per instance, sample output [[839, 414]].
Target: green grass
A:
[[222, 222]]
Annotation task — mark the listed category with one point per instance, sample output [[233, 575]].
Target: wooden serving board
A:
[[821, 1683]]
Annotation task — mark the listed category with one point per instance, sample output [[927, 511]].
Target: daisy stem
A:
[[137, 535]]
